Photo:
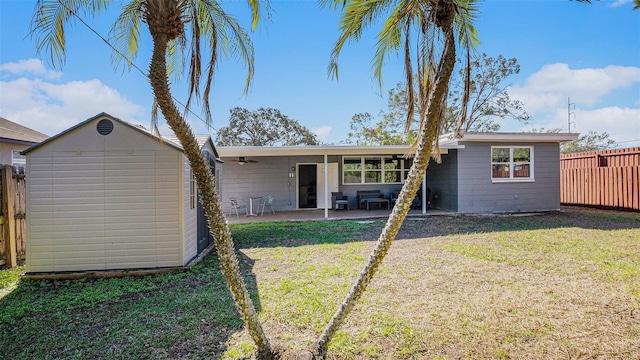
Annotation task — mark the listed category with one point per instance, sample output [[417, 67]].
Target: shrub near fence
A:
[[12, 217], [607, 178]]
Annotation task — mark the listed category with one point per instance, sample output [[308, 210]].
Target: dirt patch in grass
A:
[[555, 285]]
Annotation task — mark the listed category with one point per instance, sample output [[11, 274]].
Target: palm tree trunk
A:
[[429, 131], [208, 197]]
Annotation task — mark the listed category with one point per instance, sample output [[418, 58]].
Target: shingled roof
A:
[[16, 133]]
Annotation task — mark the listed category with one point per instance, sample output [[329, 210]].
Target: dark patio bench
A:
[[367, 197]]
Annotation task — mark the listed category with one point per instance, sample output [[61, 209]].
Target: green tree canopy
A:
[[488, 101], [591, 141], [488, 96], [263, 127]]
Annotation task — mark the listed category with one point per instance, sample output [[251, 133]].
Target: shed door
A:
[[204, 235]]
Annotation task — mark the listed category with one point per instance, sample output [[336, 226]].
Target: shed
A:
[[108, 195]]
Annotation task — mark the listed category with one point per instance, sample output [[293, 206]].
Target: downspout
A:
[[326, 187]]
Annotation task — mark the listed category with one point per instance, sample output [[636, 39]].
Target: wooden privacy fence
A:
[[12, 218], [607, 178]]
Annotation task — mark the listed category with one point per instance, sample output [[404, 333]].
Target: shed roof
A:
[[104, 115], [201, 139]]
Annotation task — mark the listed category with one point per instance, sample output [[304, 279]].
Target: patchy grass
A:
[[9, 280], [562, 285]]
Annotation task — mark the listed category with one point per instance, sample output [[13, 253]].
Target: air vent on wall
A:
[[105, 127]]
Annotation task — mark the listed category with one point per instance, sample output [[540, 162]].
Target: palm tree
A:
[[434, 24], [169, 22]]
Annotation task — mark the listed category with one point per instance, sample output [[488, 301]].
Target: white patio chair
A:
[[237, 204], [266, 202]]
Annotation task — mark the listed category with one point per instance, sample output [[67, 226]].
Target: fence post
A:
[[9, 216]]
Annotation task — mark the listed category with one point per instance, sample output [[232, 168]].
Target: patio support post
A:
[[327, 198], [424, 194]]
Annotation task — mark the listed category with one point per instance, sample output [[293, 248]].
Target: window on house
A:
[[511, 163], [374, 170], [17, 159]]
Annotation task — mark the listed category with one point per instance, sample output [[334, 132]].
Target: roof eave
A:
[[504, 137], [235, 151]]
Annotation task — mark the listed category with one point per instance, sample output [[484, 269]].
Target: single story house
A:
[[109, 195], [479, 173], [14, 138]]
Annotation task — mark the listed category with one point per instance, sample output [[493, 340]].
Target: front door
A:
[[307, 186]]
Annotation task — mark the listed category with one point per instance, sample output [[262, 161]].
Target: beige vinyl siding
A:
[[96, 202], [190, 217]]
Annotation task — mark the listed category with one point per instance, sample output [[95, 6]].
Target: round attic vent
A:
[[105, 127]]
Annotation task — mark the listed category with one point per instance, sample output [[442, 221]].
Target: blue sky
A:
[[590, 53]]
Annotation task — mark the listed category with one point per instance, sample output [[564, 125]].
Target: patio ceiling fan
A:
[[241, 160]]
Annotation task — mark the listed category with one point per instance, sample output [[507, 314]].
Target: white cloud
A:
[[322, 132], [618, 3], [622, 124], [545, 94], [51, 108], [549, 88], [30, 67]]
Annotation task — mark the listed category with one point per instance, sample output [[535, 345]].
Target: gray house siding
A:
[[478, 194], [442, 179], [269, 176]]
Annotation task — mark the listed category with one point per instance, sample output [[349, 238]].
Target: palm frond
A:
[[390, 37], [222, 35], [125, 34], [356, 16], [50, 20], [408, 71]]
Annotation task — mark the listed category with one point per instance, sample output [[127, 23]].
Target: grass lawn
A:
[[560, 285]]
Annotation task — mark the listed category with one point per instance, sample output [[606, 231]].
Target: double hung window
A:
[[511, 163]]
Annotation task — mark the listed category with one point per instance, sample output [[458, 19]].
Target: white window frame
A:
[[403, 171], [18, 160], [512, 164]]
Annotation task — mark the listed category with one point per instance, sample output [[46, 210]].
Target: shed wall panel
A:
[[94, 204]]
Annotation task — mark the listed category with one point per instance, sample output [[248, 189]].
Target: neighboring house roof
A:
[[104, 115], [446, 142], [11, 132]]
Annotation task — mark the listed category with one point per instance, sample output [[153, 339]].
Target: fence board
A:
[[609, 178], [13, 215]]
